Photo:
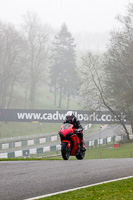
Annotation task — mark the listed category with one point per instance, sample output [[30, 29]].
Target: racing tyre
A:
[[65, 152], [81, 155]]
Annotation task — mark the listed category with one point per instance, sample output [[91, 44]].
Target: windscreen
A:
[[67, 125]]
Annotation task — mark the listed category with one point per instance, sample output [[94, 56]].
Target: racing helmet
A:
[[70, 117]]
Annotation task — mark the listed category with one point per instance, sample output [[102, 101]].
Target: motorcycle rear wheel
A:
[[81, 155], [65, 152]]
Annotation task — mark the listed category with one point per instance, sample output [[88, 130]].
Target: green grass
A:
[[124, 151], [13, 129], [45, 100], [119, 190]]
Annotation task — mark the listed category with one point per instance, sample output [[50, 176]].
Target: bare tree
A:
[[94, 88], [36, 35], [116, 89], [11, 64], [119, 65]]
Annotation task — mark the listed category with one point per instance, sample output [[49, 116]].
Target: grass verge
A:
[[119, 190], [14, 129], [123, 151], [105, 152]]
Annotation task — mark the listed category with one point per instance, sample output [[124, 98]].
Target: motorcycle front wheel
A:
[[81, 155], [65, 151]]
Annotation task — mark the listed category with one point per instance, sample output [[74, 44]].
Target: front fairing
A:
[[66, 131], [67, 135]]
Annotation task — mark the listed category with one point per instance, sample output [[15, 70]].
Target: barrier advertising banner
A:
[[58, 116]]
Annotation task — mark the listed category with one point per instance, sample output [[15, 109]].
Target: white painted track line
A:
[[61, 192]]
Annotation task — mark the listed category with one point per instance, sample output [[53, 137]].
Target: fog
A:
[[64, 55]]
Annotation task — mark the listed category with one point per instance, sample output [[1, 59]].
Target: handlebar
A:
[[78, 130]]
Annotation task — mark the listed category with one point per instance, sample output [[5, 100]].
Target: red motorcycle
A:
[[70, 142]]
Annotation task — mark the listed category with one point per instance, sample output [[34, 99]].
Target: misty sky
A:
[[79, 15]]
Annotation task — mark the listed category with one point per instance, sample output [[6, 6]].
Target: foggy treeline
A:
[[23, 58], [32, 58], [107, 79], [35, 56]]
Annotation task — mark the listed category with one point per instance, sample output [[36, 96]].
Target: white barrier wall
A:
[[108, 139], [118, 138], [131, 137], [18, 153], [3, 155], [33, 151], [18, 144], [53, 138], [30, 142], [100, 141], [46, 149], [23, 153], [5, 146], [58, 147], [42, 140]]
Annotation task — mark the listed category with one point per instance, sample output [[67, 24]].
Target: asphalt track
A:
[[109, 131], [26, 179]]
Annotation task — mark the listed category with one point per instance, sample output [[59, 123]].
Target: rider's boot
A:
[[82, 145]]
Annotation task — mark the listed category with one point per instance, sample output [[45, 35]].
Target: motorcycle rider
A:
[[70, 118]]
